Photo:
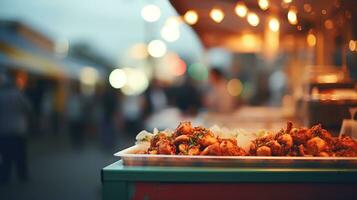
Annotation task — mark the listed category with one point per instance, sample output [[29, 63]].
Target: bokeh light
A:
[[173, 21], [241, 9], [180, 68], [151, 13], [198, 71], [307, 7], [117, 78], [137, 82], [263, 4], [139, 51], [216, 15], [292, 17], [191, 17], [311, 39], [88, 76], [274, 24], [234, 87], [253, 19], [157, 48], [170, 33], [352, 45], [328, 24]]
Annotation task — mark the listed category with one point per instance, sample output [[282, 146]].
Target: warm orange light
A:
[[292, 17], [234, 87], [352, 45], [274, 24], [241, 9], [307, 7], [263, 4], [328, 24], [311, 39], [21, 80], [253, 19], [217, 15], [191, 17]]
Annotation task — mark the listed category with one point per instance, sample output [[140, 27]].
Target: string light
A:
[[191, 17], [151, 13], [217, 15], [287, 1], [274, 24], [253, 19], [292, 16], [323, 12], [263, 4], [241, 9]]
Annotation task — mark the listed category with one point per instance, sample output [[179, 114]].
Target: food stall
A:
[[256, 152]]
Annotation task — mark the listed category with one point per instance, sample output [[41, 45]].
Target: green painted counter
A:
[[119, 181]]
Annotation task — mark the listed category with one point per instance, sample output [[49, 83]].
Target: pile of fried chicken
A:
[[189, 140], [315, 141]]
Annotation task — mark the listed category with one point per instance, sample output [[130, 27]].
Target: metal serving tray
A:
[[130, 157]]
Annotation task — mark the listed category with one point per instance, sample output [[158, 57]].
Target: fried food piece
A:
[[345, 146], [212, 149], [301, 136], [166, 147], [207, 139], [275, 147], [182, 139], [286, 142], [194, 150], [263, 151], [184, 128], [316, 145], [229, 148]]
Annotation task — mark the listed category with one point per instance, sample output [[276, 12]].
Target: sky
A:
[[109, 26]]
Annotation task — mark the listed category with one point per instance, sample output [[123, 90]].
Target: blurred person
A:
[[74, 116], [218, 98], [14, 110], [188, 98], [155, 98]]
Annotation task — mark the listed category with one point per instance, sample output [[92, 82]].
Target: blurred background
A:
[[79, 80]]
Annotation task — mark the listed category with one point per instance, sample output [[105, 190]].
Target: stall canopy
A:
[[19, 49], [306, 15]]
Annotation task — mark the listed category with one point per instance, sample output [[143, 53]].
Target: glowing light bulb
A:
[[263, 4], [287, 1], [253, 19], [241, 10], [217, 15], [151, 13], [274, 24], [311, 39], [157, 48], [292, 17], [191, 17]]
